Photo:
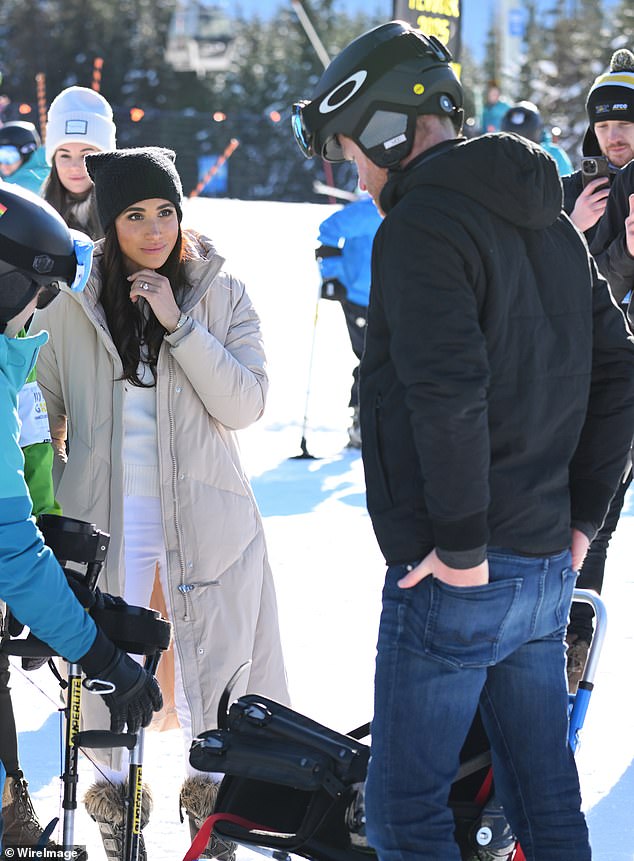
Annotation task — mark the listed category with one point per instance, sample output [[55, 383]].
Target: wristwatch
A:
[[181, 322]]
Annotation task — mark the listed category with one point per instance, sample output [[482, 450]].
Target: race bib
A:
[[33, 415]]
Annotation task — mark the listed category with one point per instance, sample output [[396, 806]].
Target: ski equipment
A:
[[37, 250], [373, 91], [21, 135], [524, 119]]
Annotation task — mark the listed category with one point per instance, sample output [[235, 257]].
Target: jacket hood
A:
[[18, 356], [514, 178], [590, 145]]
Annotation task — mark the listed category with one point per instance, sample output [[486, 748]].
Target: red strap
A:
[[519, 855], [483, 793], [202, 838]]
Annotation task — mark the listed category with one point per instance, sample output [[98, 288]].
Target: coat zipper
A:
[[183, 587]]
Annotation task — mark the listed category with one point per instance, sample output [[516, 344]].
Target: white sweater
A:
[[140, 448]]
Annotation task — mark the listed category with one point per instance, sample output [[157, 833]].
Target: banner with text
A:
[[439, 18]]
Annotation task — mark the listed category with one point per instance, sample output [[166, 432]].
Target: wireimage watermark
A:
[[50, 852]]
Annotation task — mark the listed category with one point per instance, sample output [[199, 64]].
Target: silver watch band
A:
[[181, 322]]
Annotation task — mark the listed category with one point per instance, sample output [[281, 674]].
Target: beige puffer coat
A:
[[211, 381]]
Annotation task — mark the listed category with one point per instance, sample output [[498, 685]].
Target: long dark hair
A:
[[131, 324], [78, 210]]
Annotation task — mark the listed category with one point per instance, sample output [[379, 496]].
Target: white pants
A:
[[144, 550]]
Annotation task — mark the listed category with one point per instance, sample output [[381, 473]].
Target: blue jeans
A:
[[444, 651]]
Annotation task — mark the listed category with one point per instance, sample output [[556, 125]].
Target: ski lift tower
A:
[[200, 38]]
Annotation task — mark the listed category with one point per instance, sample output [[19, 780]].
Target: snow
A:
[[327, 566]]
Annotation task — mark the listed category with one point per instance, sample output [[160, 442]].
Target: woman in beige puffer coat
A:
[[146, 376]]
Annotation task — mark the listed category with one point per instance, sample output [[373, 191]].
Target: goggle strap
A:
[[24, 258], [83, 247]]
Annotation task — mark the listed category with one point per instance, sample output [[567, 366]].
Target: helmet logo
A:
[[43, 264], [399, 139], [343, 92], [419, 89]]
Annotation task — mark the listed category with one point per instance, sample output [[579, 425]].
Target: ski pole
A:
[[231, 147], [305, 454]]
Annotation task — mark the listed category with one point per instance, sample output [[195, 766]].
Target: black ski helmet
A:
[[23, 136], [524, 119], [36, 249], [373, 91]]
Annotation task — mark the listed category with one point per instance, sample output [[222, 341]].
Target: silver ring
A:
[[145, 285]]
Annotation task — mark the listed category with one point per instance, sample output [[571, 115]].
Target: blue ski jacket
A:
[[32, 582], [352, 230], [32, 173]]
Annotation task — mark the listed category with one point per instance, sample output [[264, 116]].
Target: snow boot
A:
[[198, 799], [21, 825], [576, 658], [106, 804]]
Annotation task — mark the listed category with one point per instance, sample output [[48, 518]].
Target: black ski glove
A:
[[91, 599], [136, 693]]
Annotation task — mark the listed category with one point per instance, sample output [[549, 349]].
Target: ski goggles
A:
[[83, 248], [9, 155], [303, 137]]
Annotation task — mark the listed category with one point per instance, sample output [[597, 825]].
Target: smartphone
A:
[[595, 167]]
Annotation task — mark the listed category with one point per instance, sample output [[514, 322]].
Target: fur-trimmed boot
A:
[[105, 802], [21, 825], [198, 800]]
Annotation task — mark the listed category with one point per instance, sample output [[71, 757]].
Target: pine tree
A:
[[620, 25]]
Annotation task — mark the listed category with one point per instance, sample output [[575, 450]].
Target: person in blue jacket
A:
[[344, 258], [22, 156], [37, 251]]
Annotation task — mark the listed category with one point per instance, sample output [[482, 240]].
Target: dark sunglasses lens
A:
[[46, 296]]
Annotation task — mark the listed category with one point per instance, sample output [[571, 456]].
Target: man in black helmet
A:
[[37, 251], [495, 365]]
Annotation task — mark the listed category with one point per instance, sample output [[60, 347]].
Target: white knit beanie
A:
[[79, 115]]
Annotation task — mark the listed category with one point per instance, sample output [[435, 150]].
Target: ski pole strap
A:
[[202, 838]]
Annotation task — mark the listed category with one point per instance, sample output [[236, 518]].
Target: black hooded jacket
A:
[[609, 246], [496, 363]]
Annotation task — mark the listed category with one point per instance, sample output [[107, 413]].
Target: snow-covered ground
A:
[[326, 563]]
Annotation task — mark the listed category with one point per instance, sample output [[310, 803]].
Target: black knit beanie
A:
[[611, 97], [125, 176]]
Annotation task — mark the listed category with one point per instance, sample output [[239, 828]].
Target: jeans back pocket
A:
[[465, 625]]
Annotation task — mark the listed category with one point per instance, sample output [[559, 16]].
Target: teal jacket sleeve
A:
[[32, 582]]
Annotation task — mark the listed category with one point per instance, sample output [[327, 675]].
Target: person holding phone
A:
[[608, 146]]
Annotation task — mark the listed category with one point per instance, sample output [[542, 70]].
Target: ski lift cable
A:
[[310, 31]]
